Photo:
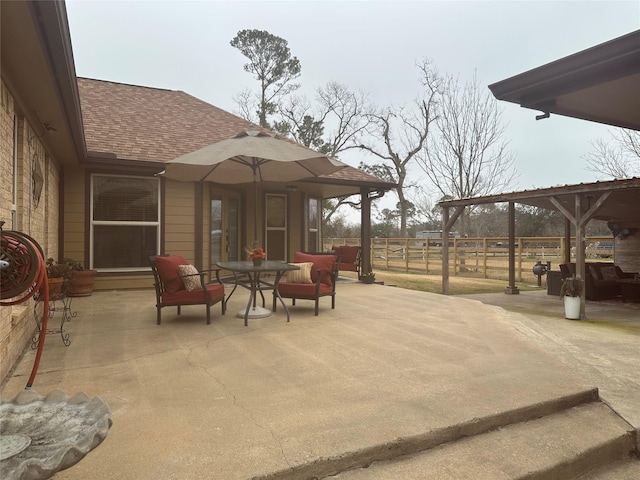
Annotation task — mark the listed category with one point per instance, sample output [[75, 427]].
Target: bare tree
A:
[[427, 215], [334, 125], [467, 155], [246, 104], [404, 132], [619, 158]]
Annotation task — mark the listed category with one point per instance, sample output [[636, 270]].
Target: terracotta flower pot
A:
[[55, 288], [82, 283]]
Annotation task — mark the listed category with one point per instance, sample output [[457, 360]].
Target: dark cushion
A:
[[565, 268], [181, 297], [592, 269], [608, 272], [168, 271], [320, 262]]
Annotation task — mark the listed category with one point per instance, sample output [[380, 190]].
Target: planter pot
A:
[[82, 283], [368, 280], [572, 308], [257, 261], [56, 285]]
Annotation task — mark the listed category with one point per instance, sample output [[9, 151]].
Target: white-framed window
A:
[[125, 222], [314, 221]]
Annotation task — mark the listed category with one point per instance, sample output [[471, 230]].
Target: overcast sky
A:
[[370, 46]]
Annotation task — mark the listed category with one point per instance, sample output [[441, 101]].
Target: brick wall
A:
[[37, 219]]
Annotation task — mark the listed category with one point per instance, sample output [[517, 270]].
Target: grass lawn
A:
[[458, 285]]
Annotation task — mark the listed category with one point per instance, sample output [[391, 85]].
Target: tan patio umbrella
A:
[[251, 156]]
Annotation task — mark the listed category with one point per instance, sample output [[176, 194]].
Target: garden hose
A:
[[23, 273]]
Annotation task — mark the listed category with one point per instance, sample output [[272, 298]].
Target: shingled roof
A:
[[149, 124], [157, 125]]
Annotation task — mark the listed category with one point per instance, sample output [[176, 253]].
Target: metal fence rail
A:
[[477, 257]]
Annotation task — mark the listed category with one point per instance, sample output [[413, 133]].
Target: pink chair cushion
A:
[[182, 297], [168, 271], [320, 262]]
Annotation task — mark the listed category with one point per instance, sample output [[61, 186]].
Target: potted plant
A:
[[571, 290], [257, 254], [368, 277], [82, 280], [57, 274]]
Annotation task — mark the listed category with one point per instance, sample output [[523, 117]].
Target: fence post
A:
[[484, 257], [406, 254], [519, 240], [455, 254], [426, 255], [386, 253]]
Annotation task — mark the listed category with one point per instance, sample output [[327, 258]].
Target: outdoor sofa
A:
[[601, 279]]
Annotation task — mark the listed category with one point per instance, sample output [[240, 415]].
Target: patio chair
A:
[[316, 278], [349, 257], [177, 283]]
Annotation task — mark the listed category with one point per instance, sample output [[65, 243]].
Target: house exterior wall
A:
[[628, 251], [6, 153], [74, 214], [38, 219], [179, 224]]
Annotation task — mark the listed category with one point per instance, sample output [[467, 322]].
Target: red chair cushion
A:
[[302, 289], [350, 267], [182, 297], [348, 253], [320, 262], [168, 271]]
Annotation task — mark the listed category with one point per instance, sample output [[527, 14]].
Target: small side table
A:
[[554, 282], [60, 303]]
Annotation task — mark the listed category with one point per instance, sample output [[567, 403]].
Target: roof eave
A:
[[540, 87]]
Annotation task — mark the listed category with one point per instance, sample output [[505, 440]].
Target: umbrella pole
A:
[[255, 207]]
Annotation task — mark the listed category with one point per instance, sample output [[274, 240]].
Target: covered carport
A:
[[615, 202], [600, 84]]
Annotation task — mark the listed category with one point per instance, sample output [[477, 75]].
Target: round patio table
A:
[[248, 275]]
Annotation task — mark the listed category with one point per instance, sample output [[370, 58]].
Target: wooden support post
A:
[[511, 288]]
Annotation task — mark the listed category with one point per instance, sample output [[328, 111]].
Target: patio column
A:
[[198, 226], [511, 288], [447, 225], [580, 266], [445, 251], [365, 231], [567, 241]]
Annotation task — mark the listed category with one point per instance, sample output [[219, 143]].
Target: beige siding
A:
[[126, 283], [179, 219], [74, 214], [628, 251]]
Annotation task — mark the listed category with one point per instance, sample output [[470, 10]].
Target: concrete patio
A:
[[224, 401]]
